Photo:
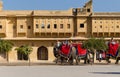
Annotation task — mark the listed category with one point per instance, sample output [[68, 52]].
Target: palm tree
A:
[[5, 46], [26, 50]]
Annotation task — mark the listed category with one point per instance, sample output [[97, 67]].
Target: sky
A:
[[98, 5]]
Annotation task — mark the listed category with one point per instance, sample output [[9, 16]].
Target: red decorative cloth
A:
[[81, 51], [113, 49], [65, 50]]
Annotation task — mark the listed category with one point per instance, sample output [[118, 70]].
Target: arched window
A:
[[42, 53]]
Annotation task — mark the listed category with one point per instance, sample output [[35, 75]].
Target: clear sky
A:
[[98, 5]]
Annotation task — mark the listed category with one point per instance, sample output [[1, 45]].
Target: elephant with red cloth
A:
[[113, 51]]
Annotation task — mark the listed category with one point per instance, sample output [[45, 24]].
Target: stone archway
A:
[[42, 53]]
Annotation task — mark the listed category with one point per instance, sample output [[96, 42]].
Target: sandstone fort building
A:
[[42, 28]]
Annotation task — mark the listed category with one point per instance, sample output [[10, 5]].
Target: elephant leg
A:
[[77, 60], [108, 60], [58, 57], [117, 60], [85, 59], [71, 61], [61, 60], [56, 61]]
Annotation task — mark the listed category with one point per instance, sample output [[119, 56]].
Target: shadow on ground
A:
[[105, 72]]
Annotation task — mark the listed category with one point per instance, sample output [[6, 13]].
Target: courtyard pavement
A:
[[61, 71]]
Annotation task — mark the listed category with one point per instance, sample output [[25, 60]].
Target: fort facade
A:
[[42, 28]]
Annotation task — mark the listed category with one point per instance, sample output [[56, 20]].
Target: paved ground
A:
[[61, 71]]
